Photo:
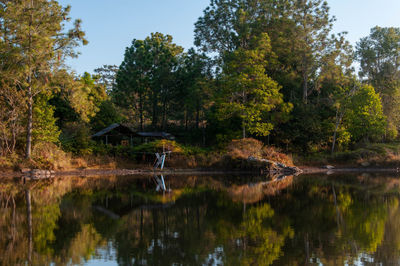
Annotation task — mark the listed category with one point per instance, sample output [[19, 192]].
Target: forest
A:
[[272, 70]]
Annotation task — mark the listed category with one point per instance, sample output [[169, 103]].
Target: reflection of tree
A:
[[29, 224], [203, 221], [388, 253], [363, 223], [199, 226], [335, 220], [262, 244]]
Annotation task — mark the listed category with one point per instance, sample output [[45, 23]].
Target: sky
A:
[[111, 25]]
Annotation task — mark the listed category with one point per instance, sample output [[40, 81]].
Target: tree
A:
[[299, 32], [107, 75], [34, 36], [44, 122], [87, 97], [108, 114], [76, 98], [11, 117], [365, 119], [313, 26], [193, 78], [147, 74], [248, 91], [378, 55]]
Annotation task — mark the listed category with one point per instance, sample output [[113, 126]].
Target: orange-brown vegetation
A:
[[244, 148]]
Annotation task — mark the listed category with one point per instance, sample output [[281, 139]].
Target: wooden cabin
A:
[[118, 134], [151, 136], [115, 134]]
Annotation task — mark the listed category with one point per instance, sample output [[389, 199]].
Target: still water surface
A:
[[351, 219]]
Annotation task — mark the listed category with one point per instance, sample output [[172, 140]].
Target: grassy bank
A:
[[233, 156], [367, 155]]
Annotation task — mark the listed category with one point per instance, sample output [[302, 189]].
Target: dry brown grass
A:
[[244, 148]]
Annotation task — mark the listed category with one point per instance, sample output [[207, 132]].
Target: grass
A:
[[367, 155]]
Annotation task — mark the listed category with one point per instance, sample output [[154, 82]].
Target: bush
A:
[[49, 156], [159, 146], [75, 138], [244, 148]]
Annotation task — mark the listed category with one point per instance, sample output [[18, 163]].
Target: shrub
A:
[[49, 156], [159, 146], [244, 148], [75, 138]]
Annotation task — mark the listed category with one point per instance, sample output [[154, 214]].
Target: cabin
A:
[[118, 134], [151, 136], [115, 135]]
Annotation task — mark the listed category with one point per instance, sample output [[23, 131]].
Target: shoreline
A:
[[199, 171]]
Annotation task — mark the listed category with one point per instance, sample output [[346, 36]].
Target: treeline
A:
[[268, 69]]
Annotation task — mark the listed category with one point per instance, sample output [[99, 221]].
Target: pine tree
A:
[[33, 34]]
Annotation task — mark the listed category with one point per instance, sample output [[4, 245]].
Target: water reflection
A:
[[197, 220]]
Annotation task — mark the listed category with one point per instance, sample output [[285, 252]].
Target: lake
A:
[[340, 219]]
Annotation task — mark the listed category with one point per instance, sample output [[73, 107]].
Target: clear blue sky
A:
[[110, 25]]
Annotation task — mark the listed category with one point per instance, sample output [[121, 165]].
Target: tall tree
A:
[[193, 78], [107, 76], [299, 32], [247, 90], [313, 25], [379, 57], [33, 32], [146, 74]]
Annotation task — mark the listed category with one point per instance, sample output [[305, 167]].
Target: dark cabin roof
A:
[[111, 128]]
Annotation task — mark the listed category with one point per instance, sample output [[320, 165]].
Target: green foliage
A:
[[365, 118], [247, 91], [145, 80], [159, 146], [44, 124], [108, 114], [36, 43], [378, 56], [277, 73], [45, 217], [75, 138], [86, 98], [264, 243], [106, 77]]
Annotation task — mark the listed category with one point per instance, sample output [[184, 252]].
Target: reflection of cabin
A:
[[117, 134]]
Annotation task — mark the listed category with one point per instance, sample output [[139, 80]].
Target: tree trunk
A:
[[305, 87], [304, 77], [141, 111], [339, 118], [29, 125], [186, 120], [154, 120], [197, 115], [243, 130], [164, 114]]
